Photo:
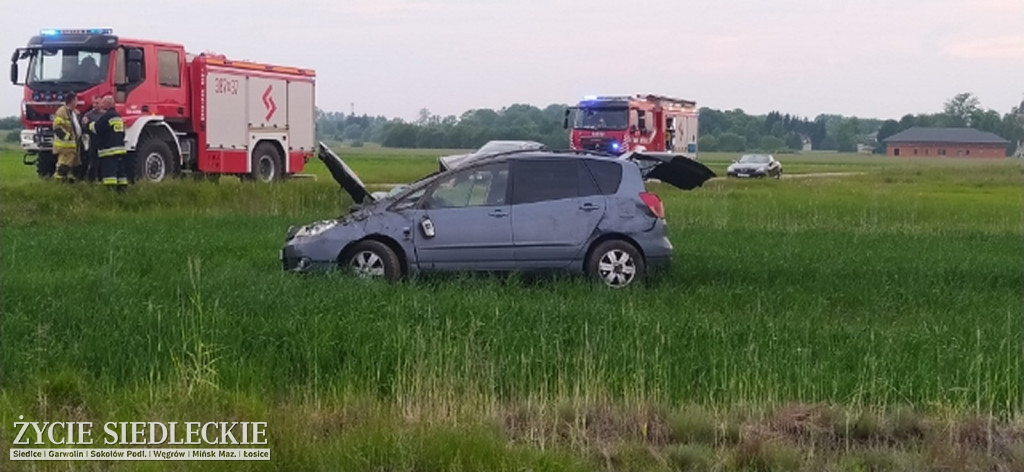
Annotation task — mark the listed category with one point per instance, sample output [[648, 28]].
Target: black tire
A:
[[266, 164], [154, 161], [615, 263], [46, 164], [373, 259]]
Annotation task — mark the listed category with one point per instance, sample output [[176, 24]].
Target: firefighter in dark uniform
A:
[[90, 162], [66, 131], [108, 131]]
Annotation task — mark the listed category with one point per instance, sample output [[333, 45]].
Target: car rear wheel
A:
[[373, 260], [615, 263]]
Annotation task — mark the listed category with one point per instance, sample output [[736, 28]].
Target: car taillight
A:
[[653, 203]]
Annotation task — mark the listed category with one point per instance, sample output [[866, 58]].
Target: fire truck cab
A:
[[619, 124], [183, 113]]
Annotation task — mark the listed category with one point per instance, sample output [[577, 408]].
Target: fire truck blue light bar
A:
[[59, 32]]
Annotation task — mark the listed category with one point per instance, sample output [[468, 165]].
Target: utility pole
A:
[[1020, 122]]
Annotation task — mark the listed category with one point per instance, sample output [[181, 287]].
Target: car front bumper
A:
[[747, 175], [293, 259]]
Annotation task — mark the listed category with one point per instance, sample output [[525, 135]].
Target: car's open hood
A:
[[675, 169], [345, 176]]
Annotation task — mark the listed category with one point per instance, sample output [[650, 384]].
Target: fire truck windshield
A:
[[601, 118], [67, 66]]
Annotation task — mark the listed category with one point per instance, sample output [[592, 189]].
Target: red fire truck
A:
[[183, 113], [618, 124]]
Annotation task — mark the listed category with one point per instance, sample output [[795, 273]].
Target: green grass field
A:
[[861, 322]]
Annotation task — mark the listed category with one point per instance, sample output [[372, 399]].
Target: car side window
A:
[[479, 186], [607, 175], [587, 185], [544, 180]]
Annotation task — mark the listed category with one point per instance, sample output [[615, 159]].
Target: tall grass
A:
[[898, 287]]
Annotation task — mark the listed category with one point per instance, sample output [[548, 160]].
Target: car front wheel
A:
[[616, 263], [373, 260]]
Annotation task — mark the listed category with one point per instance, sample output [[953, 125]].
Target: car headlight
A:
[[762, 169], [315, 229]]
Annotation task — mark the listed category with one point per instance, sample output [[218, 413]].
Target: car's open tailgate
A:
[[674, 169]]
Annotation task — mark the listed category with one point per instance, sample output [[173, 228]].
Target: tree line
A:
[[736, 131], [469, 130], [720, 130]]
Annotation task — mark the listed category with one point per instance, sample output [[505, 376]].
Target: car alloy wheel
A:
[[368, 264], [616, 268]]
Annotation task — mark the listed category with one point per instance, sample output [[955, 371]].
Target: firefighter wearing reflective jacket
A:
[[66, 132], [90, 163], [108, 131]]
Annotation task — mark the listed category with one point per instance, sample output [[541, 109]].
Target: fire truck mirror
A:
[[641, 119], [135, 55], [14, 73], [134, 72]]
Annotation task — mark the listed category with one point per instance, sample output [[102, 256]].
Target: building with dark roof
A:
[[945, 142]]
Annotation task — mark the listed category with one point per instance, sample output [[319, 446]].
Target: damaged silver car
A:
[[491, 147], [531, 210]]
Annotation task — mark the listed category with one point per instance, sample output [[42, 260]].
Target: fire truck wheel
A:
[[154, 161], [266, 163]]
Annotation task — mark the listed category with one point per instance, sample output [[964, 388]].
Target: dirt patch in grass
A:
[[790, 437]]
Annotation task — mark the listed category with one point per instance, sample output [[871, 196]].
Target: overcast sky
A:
[[870, 58]]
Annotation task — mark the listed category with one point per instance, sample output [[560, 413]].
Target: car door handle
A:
[[588, 207], [498, 213]]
